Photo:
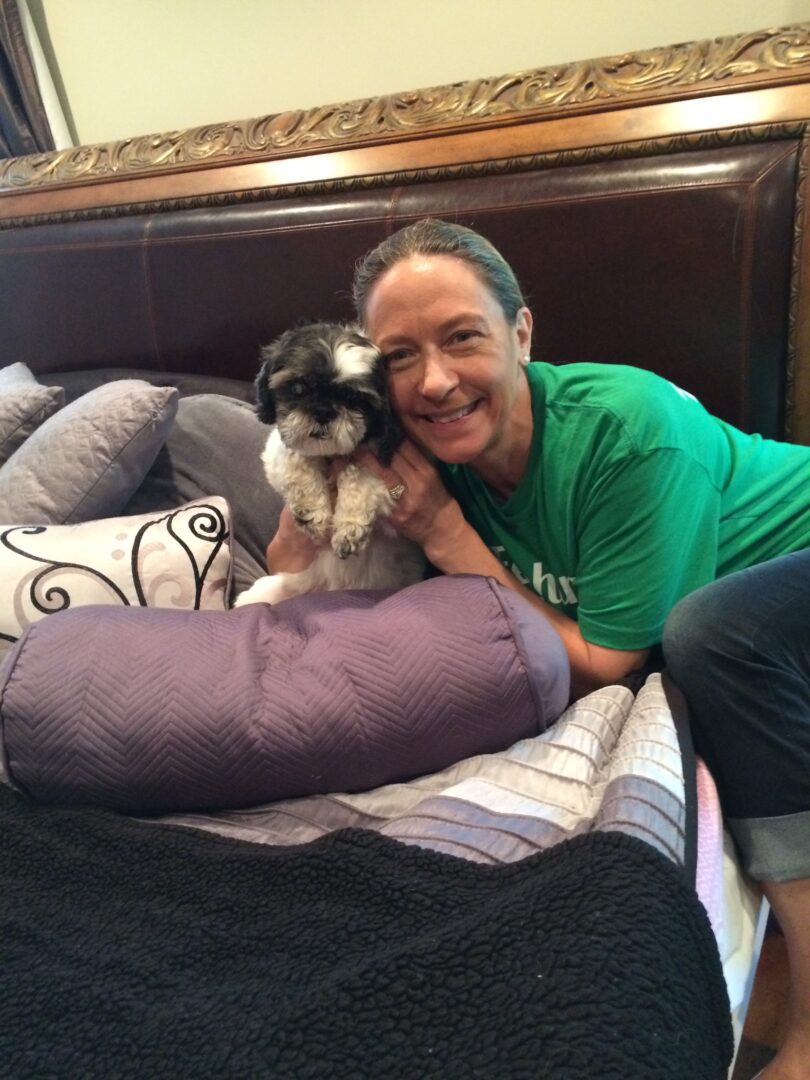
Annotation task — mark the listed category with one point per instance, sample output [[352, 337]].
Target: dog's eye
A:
[[297, 388]]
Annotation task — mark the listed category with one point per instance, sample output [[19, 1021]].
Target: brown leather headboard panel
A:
[[679, 263]]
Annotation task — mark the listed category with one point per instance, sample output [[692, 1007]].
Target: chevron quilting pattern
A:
[[156, 709], [611, 762]]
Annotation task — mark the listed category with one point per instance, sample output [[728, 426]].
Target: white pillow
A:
[[174, 559], [86, 462], [24, 405]]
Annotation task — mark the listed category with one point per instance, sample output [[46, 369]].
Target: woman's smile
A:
[[454, 417]]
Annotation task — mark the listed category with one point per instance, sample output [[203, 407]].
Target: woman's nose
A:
[[438, 377]]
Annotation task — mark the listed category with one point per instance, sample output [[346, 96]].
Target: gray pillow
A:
[[86, 461], [24, 405], [214, 448]]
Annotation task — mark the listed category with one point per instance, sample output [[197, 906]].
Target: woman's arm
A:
[[463, 551], [290, 550], [430, 516]]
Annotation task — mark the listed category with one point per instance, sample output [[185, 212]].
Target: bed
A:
[[420, 873]]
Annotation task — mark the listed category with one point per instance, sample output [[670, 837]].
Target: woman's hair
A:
[[433, 237]]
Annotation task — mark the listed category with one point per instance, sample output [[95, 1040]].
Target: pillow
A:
[[179, 559], [331, 691], [215, 447], [85, 462], [24, 405]]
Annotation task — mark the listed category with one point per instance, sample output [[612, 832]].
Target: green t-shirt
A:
[[634, 496]]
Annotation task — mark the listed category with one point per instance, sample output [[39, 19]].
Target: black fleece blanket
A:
[[132, 949]]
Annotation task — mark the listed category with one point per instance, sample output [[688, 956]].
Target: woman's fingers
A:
[[389, 475], [407, 464], [411, 454]]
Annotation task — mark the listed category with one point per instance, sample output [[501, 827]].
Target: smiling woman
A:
[[454, 368], [562, 482], [449, 316], [608, 497], [447, 312]]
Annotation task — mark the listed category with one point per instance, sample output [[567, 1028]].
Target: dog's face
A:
[[323, 385]]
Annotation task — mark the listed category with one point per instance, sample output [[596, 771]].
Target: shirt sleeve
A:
[[648, 535]]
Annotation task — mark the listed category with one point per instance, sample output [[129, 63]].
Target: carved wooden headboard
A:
[[652, 204]]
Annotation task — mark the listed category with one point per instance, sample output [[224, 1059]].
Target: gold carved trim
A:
[[760, 58], [672, 144]]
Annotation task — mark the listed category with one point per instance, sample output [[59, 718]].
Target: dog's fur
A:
[[323, 387]]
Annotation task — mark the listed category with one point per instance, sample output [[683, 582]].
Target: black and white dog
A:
[[323, 387]]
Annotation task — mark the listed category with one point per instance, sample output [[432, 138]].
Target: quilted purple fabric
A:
[[155, 710]]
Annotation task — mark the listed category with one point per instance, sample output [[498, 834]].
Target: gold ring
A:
[[397, 492]]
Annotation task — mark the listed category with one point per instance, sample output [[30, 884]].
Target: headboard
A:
[[652, 205]]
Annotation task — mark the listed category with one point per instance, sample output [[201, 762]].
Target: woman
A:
[[605, 495]]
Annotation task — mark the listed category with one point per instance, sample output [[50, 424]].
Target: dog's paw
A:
[[315, 523], [265, 590], [349, 540]]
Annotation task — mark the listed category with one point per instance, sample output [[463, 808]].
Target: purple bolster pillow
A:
[[153, 710]]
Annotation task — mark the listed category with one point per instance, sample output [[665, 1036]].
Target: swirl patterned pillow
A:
[[176, 559]]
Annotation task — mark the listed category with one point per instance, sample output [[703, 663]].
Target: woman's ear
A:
[[523, 334]]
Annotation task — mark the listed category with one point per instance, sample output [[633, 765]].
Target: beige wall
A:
[[131, 67]]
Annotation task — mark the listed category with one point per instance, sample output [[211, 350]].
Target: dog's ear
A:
[[385, 432], [265, 401], [387, 440], [265, 398]]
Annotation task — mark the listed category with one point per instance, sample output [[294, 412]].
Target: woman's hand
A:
[[291, 550], [426, 512]]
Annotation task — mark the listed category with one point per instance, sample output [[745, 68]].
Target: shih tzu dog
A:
[[323, 387]]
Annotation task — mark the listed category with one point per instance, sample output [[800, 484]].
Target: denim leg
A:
[[739, 649]]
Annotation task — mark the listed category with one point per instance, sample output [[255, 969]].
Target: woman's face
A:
[[453, 360]]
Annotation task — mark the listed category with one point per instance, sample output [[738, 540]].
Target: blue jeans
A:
[[739, 649]]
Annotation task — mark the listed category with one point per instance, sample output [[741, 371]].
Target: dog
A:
[[323, 387]]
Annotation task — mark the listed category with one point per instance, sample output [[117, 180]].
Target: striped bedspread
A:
[[613, 762]]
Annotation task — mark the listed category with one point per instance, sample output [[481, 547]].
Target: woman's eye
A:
[[396, 358], [463, 337]]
